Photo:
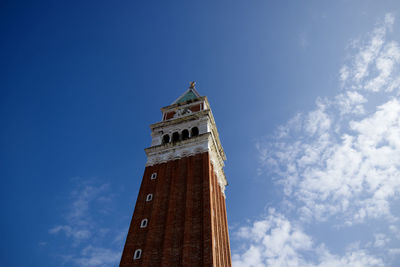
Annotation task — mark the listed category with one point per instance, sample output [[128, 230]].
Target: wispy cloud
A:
[[374, 60], [303, 40], [97, 256], [90, 243], [348, 165], [79, 222], [338, 163]]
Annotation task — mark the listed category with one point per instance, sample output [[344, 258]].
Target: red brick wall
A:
[[170, 115], [182, 230], [195, 108]]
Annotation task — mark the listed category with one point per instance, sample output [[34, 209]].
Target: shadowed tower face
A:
[[180, 215]]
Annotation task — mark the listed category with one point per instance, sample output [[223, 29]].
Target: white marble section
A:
[[207, 139], [157, 134]]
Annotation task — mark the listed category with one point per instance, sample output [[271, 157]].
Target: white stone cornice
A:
[[171, 151]]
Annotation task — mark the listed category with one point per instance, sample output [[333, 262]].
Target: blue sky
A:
[[306, 99]]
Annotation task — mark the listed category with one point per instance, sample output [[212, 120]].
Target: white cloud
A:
[[79, 224], [276, 241], [347, 166], [374, 61], [95, 256], [317, 120], [357, 258], [381, 240], [362, 168], [384, 65], [82, 197], [338, 165], [350, 102], [344, 73], [91, 244], [76, 234]]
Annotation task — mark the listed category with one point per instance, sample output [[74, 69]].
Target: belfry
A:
[[180, 214]]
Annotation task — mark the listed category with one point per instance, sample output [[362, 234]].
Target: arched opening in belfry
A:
[[195, 131], [175, 137], [165, 139], [185, 134]]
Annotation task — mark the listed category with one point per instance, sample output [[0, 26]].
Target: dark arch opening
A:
[[175, 137], [185, 134], [195, 131], [165, 139]]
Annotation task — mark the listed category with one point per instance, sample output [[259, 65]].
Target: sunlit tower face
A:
[[180, 214]]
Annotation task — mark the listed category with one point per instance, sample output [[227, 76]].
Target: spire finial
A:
[[192, 84]]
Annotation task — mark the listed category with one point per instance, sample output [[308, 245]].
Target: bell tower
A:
[[180, 214]]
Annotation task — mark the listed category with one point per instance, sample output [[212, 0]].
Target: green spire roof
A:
[[190, 94], [187, 96]]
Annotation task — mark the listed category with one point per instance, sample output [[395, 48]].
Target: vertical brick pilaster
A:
[[208, 257], [167, 250], [227, 243], [187, 236], [217, 233]]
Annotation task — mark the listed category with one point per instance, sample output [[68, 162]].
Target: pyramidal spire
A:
[[190, 94]]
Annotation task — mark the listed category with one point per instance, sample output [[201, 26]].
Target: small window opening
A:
[[149, 197], [175, 137], [185, 134], [143, 224], [137, 254], [153, 175], [195, 131], [165, 139]]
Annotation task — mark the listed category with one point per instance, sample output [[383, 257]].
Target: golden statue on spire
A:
[[192, 84]]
